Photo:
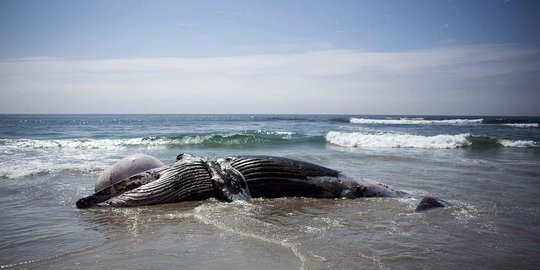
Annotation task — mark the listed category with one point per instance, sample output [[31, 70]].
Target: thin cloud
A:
[[489, 79], [188, 24]]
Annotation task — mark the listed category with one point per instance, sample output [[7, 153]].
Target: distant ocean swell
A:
[[422, 121]]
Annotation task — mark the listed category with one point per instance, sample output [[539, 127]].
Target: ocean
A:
[[488, 168]]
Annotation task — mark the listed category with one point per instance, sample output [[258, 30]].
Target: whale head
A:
[[125, 168]]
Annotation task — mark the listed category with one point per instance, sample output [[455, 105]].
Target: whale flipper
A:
[[429, 203]]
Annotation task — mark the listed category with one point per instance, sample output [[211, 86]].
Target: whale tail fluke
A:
[[429, 203]]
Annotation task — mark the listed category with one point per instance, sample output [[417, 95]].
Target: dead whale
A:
[[143, 180]]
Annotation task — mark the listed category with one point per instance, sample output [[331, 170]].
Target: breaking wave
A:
[[522, 125], [422, 121], [253, 139], [519, 144], [211, 140], [234, 139], [388, 140], [206, 140], [415, 121], [14, 144], [443, 141]]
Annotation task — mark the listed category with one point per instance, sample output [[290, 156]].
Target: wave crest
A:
[[421, 121], [388, 140], [258, 137], [442, 141], [415, 121], [212, 140], [522, 125], [69, 143], [519, 144]]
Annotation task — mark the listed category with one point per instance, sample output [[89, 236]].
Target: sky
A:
[[328, 57]]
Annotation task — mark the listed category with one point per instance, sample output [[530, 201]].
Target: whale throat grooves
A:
[[183, 181]]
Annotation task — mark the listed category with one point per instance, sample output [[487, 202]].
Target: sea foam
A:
[[70, 143], [522, 125], [415, 121], [518, 144], [442, 141], [390, 140], [250, 137]]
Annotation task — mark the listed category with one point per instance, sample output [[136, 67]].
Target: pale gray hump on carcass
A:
[[125, 168]]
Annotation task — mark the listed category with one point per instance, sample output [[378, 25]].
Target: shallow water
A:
[[493, 223]]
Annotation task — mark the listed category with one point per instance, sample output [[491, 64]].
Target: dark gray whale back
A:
[[273, 177]]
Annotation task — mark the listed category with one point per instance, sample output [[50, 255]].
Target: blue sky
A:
[[365, 57]]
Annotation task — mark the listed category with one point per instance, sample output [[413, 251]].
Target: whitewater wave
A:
[[215, 140], [422, 121], [389, 140], [248, 138], [522, 125], [442, 141], [415, 121], [519, 144], [349, 139], [69, 143]]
